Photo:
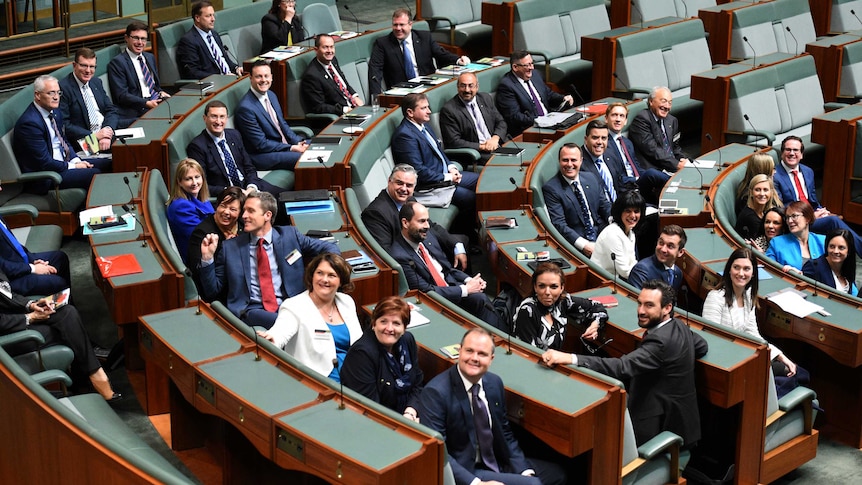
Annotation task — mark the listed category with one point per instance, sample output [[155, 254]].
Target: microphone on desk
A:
[[143, 227], [745, 116], [694, 164], [614, 263], [409, 10], [232, 58], [853, 13], [684, 291], [684, 9], [307, 33], [347, 7], [753, 52], [796, 42], [718, 165], [577, 93], [341, 390], [131, 192], [168, 104], [520, 150], [641, 14], [625, 85], [815, 263], [512, 179]]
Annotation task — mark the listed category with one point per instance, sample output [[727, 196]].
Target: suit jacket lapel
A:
[[215, 153], [463, 400]]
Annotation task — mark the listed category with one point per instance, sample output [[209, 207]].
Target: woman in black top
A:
[[280, 26]]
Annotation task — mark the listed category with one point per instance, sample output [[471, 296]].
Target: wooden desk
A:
[[500, 16], [496, 190], [837, 132], [291, 418], [110, 189], [828, 54], [150, 152], [568, 410]]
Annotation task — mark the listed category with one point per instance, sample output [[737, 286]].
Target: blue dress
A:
[[341, 336], [184, 215]]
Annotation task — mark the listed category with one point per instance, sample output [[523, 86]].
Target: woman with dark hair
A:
[[733, 303], [615, 249], [541, 319], [772, 225], [836, 267], [794, 249], [189, 203], [383, 365], [319, 324], [761, 197], [224, 223], [280, 26]]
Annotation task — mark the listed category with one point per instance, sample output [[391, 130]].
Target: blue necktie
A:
[[13, 241], [433, 143], [590, 230], [484, 436], [408, 60], [606, 179], [670, 277], [232, 172]]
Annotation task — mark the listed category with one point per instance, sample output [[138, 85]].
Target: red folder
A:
[[119, 265]]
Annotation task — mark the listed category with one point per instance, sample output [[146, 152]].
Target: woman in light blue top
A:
[[189, 203], [795, 249]]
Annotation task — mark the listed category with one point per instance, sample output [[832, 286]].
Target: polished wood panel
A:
[[500, 16]]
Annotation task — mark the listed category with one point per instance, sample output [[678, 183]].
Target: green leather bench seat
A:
[[646, 10], [850, 83], [841, 20], [457, 24]]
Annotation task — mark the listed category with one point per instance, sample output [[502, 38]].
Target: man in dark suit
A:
[[576, 203], [416, 144], [40, 144], [659, 374], [220, 152], [134, 77], [382, 220], [470, 119], [655, 133], [649, 180], [324, 88], [85, 105], [29, 273], [605, 167], [252, 295], [786, 173], [523, 96], [467, 405], [267, 137], [662, 264], [389, 52], [200, 52], [426, 269]]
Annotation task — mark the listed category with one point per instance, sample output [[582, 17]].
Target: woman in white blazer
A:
[[319, 324]]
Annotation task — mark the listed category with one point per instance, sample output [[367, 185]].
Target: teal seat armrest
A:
[[833, 105], [639, 89], [794, 398], [303, 130], [50, 377], [318, 116], [464, 156], [630, 93], [15, 209], [35, 176], [439, 18], [770, 136], [659, 444], [547, 60], [22, 336]]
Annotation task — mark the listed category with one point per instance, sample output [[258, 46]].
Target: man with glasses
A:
[[85, 105], [200, 52], [133, 76], [404, 54], [795, 181], [523, 96], [40, 144], [470, 119]]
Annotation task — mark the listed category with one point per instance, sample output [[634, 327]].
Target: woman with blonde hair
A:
[[758, 163], [189, 203], [761, 197]]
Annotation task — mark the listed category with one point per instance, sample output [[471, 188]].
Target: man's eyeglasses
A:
[[53, 94], [89, 67], [529, 64], [592, 347], [138, 39]]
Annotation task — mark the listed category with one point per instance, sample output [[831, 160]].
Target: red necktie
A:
[[264, 279], [799, 186], [341, 87], [438, 278], [629, 157]]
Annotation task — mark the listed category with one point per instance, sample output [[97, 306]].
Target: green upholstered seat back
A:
[[764, 25], [157, 198]]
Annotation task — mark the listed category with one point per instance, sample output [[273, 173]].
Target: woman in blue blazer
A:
[[383, 365], [794, 249], [837, 267], [189, 203]]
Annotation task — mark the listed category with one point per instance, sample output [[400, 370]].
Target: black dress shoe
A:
[[101, 353], [117, 397]]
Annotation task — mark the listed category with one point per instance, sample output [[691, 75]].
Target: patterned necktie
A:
[[481, 129], [484, 436], [589, 229], [148, 78], [670, 277], [408, 60], [607, 180], [341, 87], [216, 53], [63, 146], [14, 241], [433, 143], [439, 280], [264, 279], [665, 140], [627, 157], [232, 171], [798, 184], [92, 109], [271, 111], [540, 110]]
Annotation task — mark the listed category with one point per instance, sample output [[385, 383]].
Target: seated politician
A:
[[267, 137], [324, 88], [43, 273], [224, 223], [383, 365], [40, 143], [836, 268], [200, 52], [523, 96], [261, 267], [470, 119], [576, 202], [655, 133], [800, 245], [662, 264], [189, 203], [280, 26], [318, 326], [85, 105], [133, 76], [220, 152], [426, 269]]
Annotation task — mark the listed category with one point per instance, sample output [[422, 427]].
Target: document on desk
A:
[[315, 156], [794, 304], [707, 164], [552, 119]]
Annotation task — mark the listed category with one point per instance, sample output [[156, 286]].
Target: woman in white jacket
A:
[[319, 324]]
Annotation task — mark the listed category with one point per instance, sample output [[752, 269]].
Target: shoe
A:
[[117, 397], [101, 353]]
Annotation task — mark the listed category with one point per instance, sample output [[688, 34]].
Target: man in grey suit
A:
[[659, 373], [470, 119]]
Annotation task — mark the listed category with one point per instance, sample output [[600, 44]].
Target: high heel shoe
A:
[[103, 386]]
